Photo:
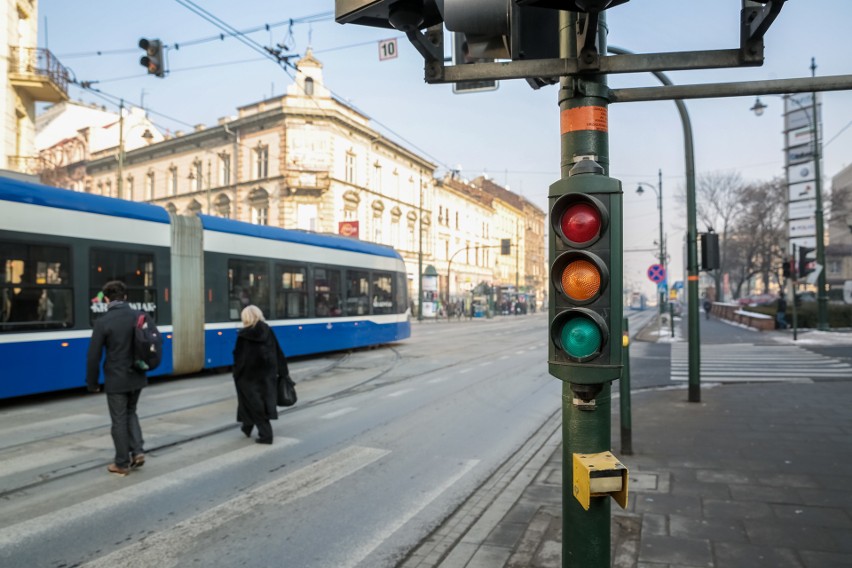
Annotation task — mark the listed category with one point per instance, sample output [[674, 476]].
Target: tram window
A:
[[383, 299], [401, 293], [357, 293], [291, 299], [247, 284], [135, 269], [35, 287], [327, 290]]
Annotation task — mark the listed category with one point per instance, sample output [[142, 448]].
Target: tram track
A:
[[394, 363]]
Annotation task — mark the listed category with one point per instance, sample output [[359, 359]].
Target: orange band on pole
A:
[[584, 118], [692, 278]]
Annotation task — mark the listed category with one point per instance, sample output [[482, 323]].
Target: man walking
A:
[[123, 382]]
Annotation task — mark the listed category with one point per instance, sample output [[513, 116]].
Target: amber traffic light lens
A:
[[581, 223], [581, 280]]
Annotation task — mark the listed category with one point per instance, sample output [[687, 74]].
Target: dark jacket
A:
[[258, 362], [114, 331]]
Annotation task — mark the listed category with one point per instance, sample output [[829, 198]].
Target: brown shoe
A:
[[117, 470], [137, 461]]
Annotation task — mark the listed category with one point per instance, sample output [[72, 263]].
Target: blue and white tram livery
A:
[[194, 274]]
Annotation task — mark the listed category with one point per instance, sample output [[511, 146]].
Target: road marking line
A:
[[160, 549], [398, 393], [437, 380], [338, 413], [382, 535]]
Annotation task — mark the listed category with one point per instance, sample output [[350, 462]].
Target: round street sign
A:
[[656, 273]]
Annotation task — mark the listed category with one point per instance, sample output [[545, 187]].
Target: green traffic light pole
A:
[[586, 420], [694, 335]]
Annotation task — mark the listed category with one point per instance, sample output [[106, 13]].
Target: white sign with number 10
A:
[[387, 49]]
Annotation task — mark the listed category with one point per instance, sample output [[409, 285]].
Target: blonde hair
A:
[[250, 315]]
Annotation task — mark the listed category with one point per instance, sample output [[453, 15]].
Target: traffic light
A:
[[585, 276], [806, 264], [153, 59], [710, 251], [787, 268], [462, 56]]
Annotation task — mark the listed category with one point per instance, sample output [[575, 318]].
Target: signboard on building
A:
[[802, 191], [803, 228], [802, 209], [348, 228], [801, 172]]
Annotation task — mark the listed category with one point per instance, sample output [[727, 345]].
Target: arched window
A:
[[309, 86], [259, 205], [223, 206], [194, 208]]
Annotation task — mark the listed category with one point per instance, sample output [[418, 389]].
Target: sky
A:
[[511, 134]]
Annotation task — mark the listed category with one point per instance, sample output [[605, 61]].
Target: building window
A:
[[199, 175], [261, 154], [223, 206], [377, 174], [149, 186], [309, 86], [173, 180], [259, 204], [129, 189], [307, 217], [224, 169], [350, 167]]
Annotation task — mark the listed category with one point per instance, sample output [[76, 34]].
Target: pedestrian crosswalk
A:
[[729, 363]]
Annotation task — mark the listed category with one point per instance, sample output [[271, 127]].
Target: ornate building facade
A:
[[308, 161]]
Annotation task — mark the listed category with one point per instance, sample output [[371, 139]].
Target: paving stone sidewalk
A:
[[755, 475]]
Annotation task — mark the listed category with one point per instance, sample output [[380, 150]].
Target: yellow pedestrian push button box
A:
[[599, 475]]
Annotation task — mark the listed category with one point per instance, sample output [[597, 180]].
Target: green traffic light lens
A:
[[581, 337]]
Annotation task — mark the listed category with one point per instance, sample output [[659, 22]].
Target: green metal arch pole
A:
[[691, 240], [585, 534]]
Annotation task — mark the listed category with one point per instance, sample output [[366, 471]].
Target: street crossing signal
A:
[[806, 264], [585, 276], [153, 59]]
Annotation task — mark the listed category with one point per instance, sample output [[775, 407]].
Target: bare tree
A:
[[719, 203], [757, 239]]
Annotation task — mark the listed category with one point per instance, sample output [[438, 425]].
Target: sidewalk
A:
[[755, 475]]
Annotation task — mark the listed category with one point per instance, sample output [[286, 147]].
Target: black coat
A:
[[115, 332], [258, 362]]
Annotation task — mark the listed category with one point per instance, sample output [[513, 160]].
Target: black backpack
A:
[[147, 343]]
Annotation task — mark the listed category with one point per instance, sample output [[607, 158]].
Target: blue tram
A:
[[193, 274]]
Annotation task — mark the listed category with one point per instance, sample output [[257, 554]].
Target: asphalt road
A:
[[383, 445]]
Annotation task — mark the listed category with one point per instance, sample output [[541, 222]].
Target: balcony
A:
[[37, 72], [32, 165]]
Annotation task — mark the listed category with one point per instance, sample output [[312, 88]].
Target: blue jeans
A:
[[781, 319], [126, 432]]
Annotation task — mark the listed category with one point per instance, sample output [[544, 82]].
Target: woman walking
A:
[[258, 362]]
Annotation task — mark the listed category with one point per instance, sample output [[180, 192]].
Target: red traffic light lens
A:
[[581, 223]]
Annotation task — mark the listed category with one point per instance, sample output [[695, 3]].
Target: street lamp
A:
[[813, 121], [659, 193]]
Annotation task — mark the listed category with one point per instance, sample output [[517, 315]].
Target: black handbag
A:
[[286, 391]]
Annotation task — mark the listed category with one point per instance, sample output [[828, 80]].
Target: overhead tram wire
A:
[[318, 17]]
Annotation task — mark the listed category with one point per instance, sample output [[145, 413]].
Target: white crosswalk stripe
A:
[[752, 363]]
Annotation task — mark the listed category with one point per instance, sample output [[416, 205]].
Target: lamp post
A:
[[813, 122], [659, 192]]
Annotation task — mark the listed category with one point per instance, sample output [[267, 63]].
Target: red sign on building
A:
[[348, 228]]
